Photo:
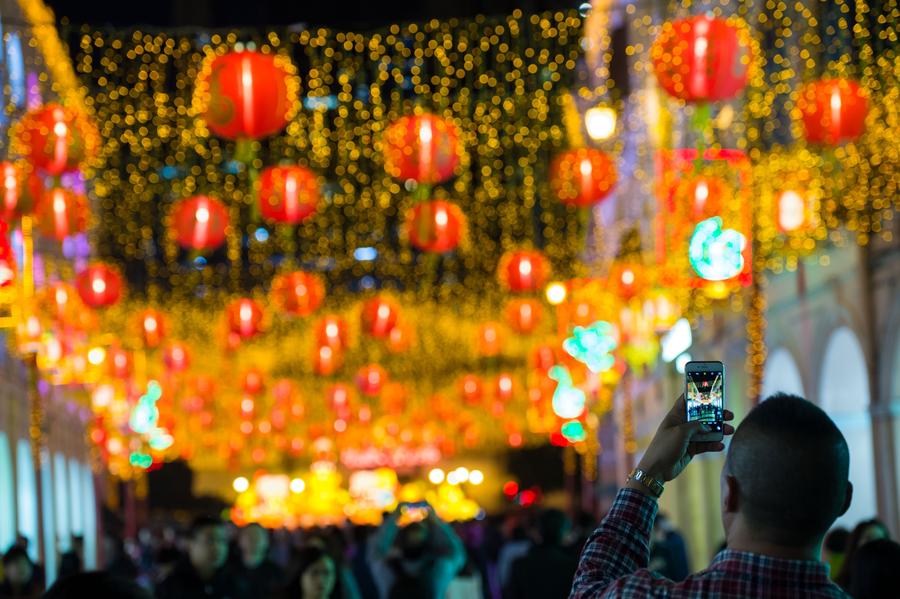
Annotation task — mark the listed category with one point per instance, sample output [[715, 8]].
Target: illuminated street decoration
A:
[[568, 400], [145, 414], [592, 346], [714, 252], [573, 431]]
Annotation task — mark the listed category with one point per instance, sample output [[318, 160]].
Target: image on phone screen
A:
[[704, 397]]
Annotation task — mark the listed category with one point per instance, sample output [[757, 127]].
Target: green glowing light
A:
[[714, 252], [592, 346]]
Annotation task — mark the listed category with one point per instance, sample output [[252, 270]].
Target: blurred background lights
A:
[[240, 484], [600, 122]]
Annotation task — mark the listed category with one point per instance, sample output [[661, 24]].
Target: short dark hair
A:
[[96, 584], [836, 540], [873, 571], [201, 522], [792, 465], [14, 553]]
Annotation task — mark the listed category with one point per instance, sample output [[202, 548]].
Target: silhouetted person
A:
[[668, 553], [19, 577], [202, 574], [865, 532], [71, 561], [875, 570], [260, 574], [96, 585], [546, 571], [316, 576], [784, 483], [834, 550]]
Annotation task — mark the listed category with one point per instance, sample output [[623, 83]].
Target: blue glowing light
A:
[[592, 346], [365, 254], [714, 252]]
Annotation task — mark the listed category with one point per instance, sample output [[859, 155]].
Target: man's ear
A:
[[847, 499], [730, 494]]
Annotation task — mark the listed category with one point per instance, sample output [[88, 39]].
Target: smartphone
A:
[[704, 395]]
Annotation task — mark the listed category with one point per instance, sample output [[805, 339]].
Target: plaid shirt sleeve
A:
[[620, 546]]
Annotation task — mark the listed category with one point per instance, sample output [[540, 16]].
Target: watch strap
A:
[[651, 484]]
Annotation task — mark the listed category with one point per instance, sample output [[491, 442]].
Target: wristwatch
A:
[[653, 485]]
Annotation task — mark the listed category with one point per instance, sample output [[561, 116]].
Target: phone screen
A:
[[705, 397]]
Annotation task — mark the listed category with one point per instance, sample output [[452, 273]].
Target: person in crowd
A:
[[874, 570], [468, 583], [417, 561], [97, 585], [70, 562], [316, 576], [120, 563], [584, 524], [865, 532], [359, 564], [332, 540], [834, 549], [19, 576], [784, 483], [202, 574], [668, 553], [517, 546], [547, 569], [260, 573], [167, 558]]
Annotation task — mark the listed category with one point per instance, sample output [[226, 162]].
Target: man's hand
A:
[[672, 447]]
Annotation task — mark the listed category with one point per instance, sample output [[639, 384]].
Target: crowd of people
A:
[[785, 482]]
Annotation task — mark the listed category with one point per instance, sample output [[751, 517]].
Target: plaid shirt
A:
[[614, 564]]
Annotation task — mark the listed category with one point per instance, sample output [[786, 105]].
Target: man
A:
[[427, 557], [202, 574], [546, 571], [19, 579], [784, 483], [260, 573]]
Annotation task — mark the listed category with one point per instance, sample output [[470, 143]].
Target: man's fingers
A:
[[727, 415], [728, 429]]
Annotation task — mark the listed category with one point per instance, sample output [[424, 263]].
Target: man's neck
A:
[[742, 537]]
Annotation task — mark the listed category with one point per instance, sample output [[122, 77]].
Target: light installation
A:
[[593, 346], [568, 400], [716, 253]]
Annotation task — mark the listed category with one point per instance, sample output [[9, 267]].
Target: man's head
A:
[[254, 543], [17, 566], [553, 526], [413, 540], [786, 474], [208, 546]]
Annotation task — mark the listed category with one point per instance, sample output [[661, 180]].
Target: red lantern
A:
[[120, 363], [424, 148], [627, 279], [543, 358], [833, 110], [582, 314], [472, 389], [99, 285], [582, 177], [253, 381], [331, 332], [370, 379], [435, 226], [701, 58], [20, 190], [504, 387], [246, 95], [7, 260], [298, 293], [176, 356], [400, 339], [62, 213], [379, 316], [200, 223], [61, 301], [288, 194], [244, 317], [205, 386], [326, 360], [393, 398], [793, 212], [523, 271], [56, 139], [489, 340], [339, 400], [152, 327], [523, 315]]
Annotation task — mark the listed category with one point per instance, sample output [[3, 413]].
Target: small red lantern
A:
[[339, 397], [471, 389], [701, 58], [284, 392], [205, 386], [152, 325], [121, 363], [253, 381], [379, 316], [288, 194], [7, 260], [833, 110], [200, 223], [490, 341], [370, 379], [298, 293], [435, 226], [20, 190], [627, 279], [582, 313], [326, 360], [56, 139], [523, 315], [99, 285], [244, 317], [331, 332], [400, 339], [62, 213], [61, 301], [582, 177], [247, 94], [504, 387], [543, 358], [177, 356], [424, 148], [523, 271]]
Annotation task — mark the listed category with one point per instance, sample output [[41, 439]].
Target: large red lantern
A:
[[56, 139], [62, 213], [247, 94], [152, 326], [20, 189], [200, 223], [288, 194], [99, 285], [701, 58], [332, 332], [298, 293], [370, 379], [424, 148], [379, 316], [436, 226], [472, 389], [523, 271], [523, 315], [833, 110], [701, 197], [244, 317], [177, 356], [582, 177]]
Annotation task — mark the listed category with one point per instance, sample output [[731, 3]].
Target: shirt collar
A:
[[808, 569]]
